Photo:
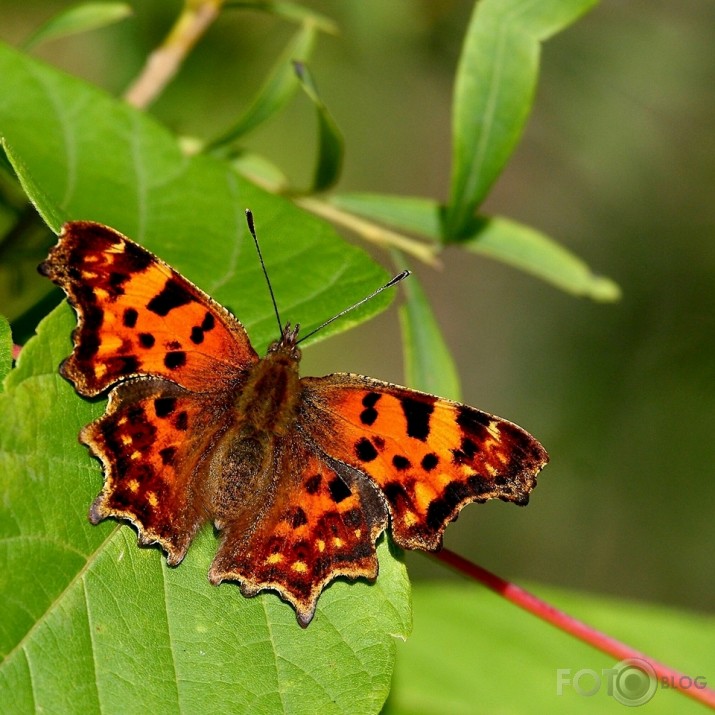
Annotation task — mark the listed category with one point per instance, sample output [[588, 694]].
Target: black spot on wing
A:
[[429, 461], [172, 295], [338, 490], [400, 462], [197, 335], [146, 340], [130, 317], [312, 484], [417, 413], [370, 400], [167, 455], [208, 323], [364, 450], [164, 406], [175, 359]]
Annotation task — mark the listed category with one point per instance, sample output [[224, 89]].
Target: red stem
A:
[[568, 624]]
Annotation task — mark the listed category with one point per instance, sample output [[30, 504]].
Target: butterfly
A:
[[298, 475]]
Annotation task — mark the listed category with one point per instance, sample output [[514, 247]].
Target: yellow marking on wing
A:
[[133, 485], [321, 545], [274, 559], [299, 566], [136, 454], [152, 498], [338, 542]]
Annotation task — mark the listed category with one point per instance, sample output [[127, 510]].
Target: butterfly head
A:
[[287, 345]]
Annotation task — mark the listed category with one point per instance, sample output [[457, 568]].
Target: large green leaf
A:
[[83, 604], [493, 93], [510, 661]]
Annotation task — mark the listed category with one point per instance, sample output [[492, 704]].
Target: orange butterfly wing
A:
[[155, 441], [138, 316], [429, 456], [320, 521]]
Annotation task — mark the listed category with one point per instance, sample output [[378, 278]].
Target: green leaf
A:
[[80, 18], [510, 661], [287, 11], [428, 362], [407, 213], [531, 251], [500, 238], [83, 604], [330, 140], [5, 350], [493, 94], [278, 89]]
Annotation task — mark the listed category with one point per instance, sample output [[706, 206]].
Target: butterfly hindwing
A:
[[320, 522], [138, 316], [155, 443], [429, 456]]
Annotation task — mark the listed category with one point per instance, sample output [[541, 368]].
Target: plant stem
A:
[[164, 62], [371, 232], [527, 601]]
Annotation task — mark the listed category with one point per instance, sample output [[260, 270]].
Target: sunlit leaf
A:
[[493, 94]]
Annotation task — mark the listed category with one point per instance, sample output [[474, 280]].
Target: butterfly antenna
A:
[[252, 229], [399, 277]]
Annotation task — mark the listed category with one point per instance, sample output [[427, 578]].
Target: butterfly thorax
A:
[[268, 400]]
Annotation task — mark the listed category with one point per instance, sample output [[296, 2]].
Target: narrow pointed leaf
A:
[[500, 238], [493, 94], [534, 252], [80, 18], [278, 89], [429, 365], [329, 161]]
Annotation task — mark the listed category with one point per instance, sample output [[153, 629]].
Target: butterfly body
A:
[[299, 475]]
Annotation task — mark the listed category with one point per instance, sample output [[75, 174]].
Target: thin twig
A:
[[164, 62], [519, 597], [371, 232]]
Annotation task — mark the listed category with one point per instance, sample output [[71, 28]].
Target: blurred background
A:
[[617, 163]]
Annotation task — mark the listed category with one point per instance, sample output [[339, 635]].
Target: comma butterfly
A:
[[299, 475]]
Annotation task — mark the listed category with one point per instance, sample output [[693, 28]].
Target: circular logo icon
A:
[[635, 682]]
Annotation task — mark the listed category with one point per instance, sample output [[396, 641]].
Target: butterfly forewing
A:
[[138, 316], [429, 456]]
